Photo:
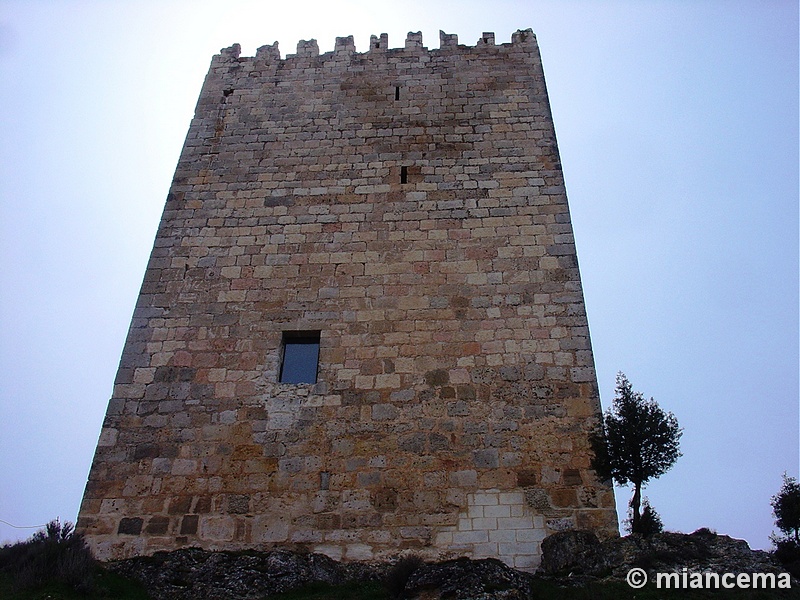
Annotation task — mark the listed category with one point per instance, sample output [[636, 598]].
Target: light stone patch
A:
[[485, 530]]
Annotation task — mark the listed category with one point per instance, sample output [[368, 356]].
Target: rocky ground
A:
[[569, 558], [579, 554]]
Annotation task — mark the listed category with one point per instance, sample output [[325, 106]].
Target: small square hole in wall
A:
[[300, 361], [406, 175]]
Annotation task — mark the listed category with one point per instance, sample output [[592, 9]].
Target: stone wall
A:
[[409, 205]]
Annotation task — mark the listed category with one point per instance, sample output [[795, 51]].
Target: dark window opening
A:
[[397, 92], [227, 92], [300, 357], [403, 174]]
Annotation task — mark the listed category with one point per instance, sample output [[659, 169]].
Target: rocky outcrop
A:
[[570, 558], [577, 555], [466, 579], [194, 574]]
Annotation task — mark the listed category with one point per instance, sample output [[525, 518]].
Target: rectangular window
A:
[[403, 174], [300, 357]]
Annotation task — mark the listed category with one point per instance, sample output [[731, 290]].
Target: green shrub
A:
[[787, 552], [649, 521], [55, 554]]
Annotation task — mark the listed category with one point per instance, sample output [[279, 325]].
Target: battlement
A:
[[345, 46]]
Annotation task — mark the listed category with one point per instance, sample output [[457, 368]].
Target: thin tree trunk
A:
[[636, 502]]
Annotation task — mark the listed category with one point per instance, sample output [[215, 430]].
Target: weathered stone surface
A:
[[194, 574], [570, 559], [578, 554], [568, 550], [465, 579], [407, 206]]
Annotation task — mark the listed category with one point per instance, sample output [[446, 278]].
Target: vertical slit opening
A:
[[403, 174], [397, 92]]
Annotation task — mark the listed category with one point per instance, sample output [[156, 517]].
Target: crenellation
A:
[[447, 40], [414, 40], [345, 45], [269, 54], [306, 49], [379, 44], [487, 39], [232, 52]]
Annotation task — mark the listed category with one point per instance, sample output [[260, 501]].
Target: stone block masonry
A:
[[405, 210]]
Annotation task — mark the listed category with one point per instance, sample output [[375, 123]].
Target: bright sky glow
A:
[[677, 123]]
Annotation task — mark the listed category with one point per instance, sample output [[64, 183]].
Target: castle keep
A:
[[361, 331]]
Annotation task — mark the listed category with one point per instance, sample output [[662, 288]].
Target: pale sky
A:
[[677, 123]]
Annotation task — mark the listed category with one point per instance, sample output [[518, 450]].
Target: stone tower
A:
[[361, 331]]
